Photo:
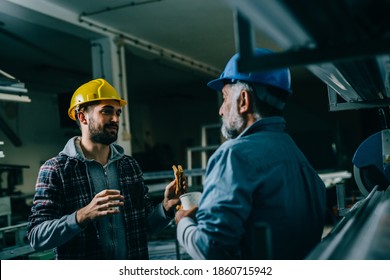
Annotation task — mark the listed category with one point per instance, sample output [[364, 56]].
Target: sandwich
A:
[[179, 178]]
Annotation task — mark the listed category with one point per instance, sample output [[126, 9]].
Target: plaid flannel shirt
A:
[[63, 187]]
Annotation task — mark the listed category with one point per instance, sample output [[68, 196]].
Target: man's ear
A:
[[82, 117], [245, 102]]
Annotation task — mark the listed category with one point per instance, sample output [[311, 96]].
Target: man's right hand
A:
[[106, 202]]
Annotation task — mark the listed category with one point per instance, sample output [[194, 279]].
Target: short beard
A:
[[233, 124], [102, 136]]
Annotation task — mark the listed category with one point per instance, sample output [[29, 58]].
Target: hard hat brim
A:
[[216, 84]]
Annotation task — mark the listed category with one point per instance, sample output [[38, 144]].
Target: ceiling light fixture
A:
[[14, 98], [12, 89]]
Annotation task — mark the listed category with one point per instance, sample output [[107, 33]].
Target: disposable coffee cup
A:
[[114, 207], [115, 201], [190, 200]]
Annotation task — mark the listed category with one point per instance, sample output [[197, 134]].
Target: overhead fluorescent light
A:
[[14, 88], [14, 97], [1, 152], [276, 21], [329, 74]]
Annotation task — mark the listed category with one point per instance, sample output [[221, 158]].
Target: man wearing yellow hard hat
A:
[[91, 201]]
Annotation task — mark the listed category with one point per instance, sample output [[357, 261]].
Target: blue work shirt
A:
[[259, 177]]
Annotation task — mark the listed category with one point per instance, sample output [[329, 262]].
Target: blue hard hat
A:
[[279, 78]]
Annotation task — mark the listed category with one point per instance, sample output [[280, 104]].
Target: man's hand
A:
[[170, 198], [106, 202], [185, 213]]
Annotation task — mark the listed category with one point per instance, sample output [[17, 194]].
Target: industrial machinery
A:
[[362, 234], [364, 231], [13, 214], [372, 162], [13, 242], [13, 210]]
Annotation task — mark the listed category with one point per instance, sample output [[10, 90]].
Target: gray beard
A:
[[233, 125], [229, 133]]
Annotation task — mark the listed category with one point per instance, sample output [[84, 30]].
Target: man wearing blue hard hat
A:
[[261, 197]]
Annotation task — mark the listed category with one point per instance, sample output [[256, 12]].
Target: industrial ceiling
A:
[[47, 43], [344, 43]]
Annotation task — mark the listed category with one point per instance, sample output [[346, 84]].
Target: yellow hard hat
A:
[[98, 89]]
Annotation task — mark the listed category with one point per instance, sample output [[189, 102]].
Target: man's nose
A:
[[115, 118]]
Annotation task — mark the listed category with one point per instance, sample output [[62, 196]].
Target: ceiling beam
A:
[[48, 14]]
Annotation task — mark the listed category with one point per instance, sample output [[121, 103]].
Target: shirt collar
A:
[[265, 124]]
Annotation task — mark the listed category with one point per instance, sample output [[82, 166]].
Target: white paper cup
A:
[[190, 200], [114, 207]]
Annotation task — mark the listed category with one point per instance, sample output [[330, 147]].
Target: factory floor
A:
[[164, 246], [166, 250]]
